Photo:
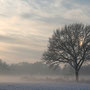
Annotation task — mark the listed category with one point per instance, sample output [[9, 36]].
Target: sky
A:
[[26, 25]]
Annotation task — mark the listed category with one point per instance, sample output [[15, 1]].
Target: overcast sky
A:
[[26, 25]]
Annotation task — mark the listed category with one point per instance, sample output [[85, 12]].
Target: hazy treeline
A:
[[38, 68]]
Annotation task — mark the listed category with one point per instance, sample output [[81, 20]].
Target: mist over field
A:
[[40, 72], [38, 76]]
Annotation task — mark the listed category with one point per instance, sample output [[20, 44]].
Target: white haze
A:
[[41, 79]]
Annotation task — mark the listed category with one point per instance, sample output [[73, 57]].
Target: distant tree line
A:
[[37, 68]]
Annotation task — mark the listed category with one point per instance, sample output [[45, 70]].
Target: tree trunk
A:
[[77, 75]]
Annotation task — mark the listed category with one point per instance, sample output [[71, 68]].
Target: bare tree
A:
[[70, 44]]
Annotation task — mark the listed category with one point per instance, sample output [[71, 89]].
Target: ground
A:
[[44, 86]]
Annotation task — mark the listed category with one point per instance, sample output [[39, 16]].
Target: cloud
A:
[[22, 39], [82, 2], [17, 53], [76, 15], [26, 25]]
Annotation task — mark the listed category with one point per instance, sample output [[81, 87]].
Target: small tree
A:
[[71, 45]]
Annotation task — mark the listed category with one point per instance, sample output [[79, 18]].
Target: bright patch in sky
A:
[[26, 25]]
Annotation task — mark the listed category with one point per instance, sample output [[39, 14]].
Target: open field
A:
[[44, 86]]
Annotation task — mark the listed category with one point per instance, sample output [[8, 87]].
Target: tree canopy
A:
[[70, 44]]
